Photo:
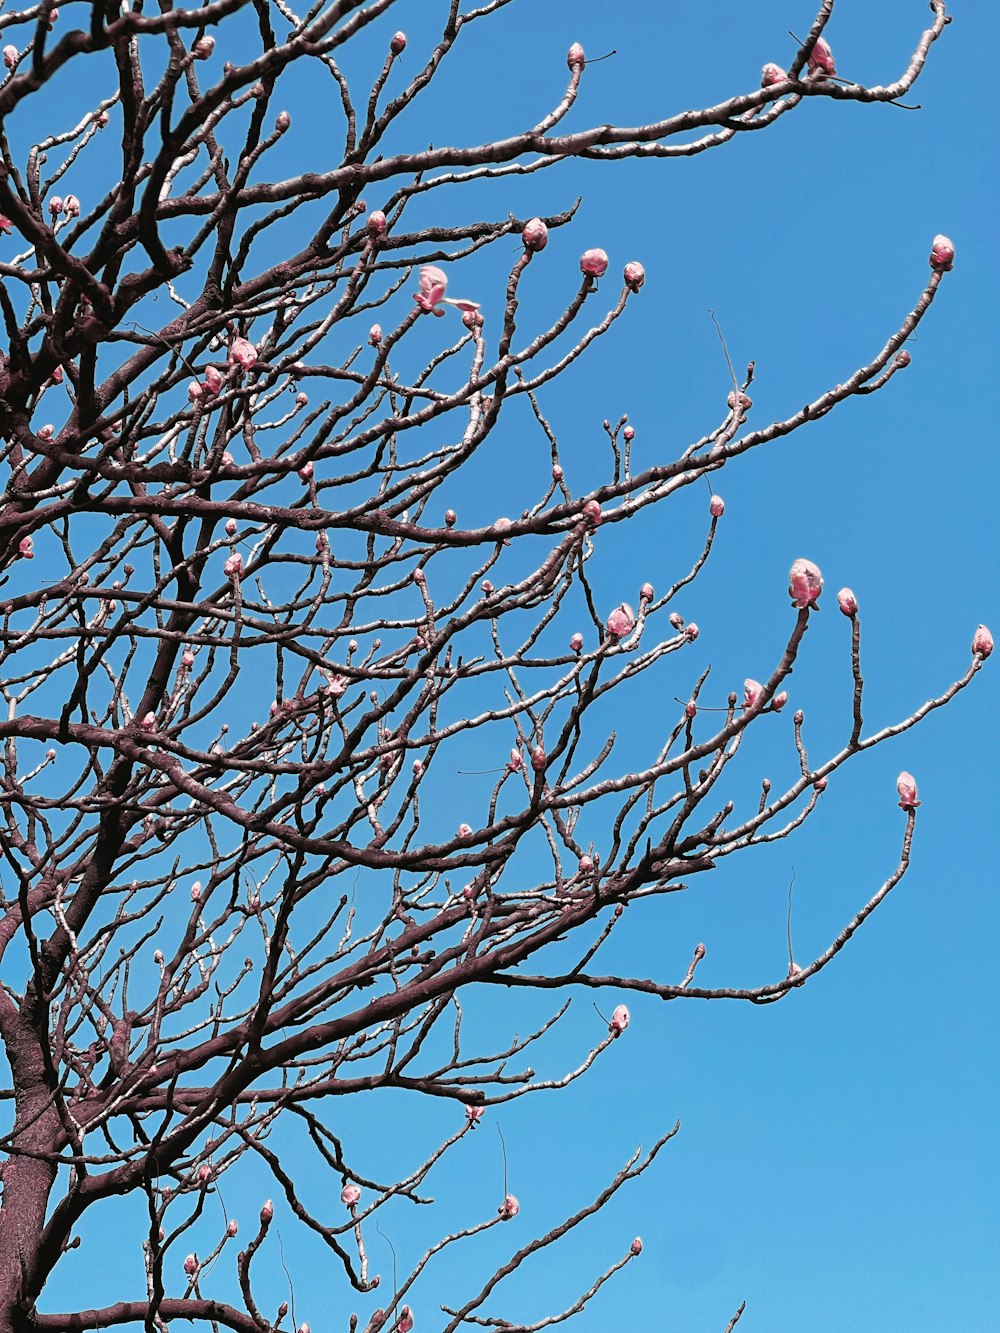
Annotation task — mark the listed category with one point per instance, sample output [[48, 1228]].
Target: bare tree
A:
[[247, 649]]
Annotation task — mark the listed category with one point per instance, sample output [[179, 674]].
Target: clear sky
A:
[[837, 1163]]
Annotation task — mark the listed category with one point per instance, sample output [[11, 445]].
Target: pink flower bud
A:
[[450, 518], [557, 472], [514, 763], [405, 1324], [942, 254], [203, 47], [194, 391], [646, 593], [376, 223], [148, 722], [576, 642], [692, 631], [474, 1113], [243, 353], [232, 1227], [690, 708], [902, 358], [716, 506], [233, 567], [465, 830], [213, 379], [820, 784], [158, 957], [418, 767], [621, 621], [398, 43], [433, 284], [187, 660], [636, 1246], [301, 400], [751, 692], [847, 602], [509, 1208], [267, 1212], [196, 890], [982, 642], [349, 1195], [739, 402], [375, 335], [6, 226], [634, 275], [535, 234], [906, 785], [538, 759], [677, 620], [10, 56], [305, 472], [805, 583], [619, 1020], [821, 60], [592, 513], [575, 56], [772, 74], [204, 1172], [779, 701], [46, 432], [26, 547], [71, 206], [594, 263], [629, 433], [191, 1265], [55, 205], [231, 526], [487, 587]]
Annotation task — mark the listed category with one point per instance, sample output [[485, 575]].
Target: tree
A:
[[249, 645]]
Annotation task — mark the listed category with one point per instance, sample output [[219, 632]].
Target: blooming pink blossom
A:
[[243, 354], [805, 583], [821, 61], [538, 759], [267, 1212], [592, 513], [433, 284], [474, 1113], [636, 1246], [26, 548], [982, 642], [213, 379], [349, 1195], [594, 263], [646, 593], [576, 642], [619, 1020], [575, 56], [906, 785], [751, 692], [535, 234], [634, 275], [942, 254], [376, 223], [772, 74], [847, 602], [621, 621], [509, 1208], [716, 506], [398, 43]]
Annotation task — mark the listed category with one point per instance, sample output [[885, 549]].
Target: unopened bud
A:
[[634, 275], [535, 234], [594, 263]]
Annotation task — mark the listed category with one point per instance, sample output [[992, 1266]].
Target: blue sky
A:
[[837, 1164]]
